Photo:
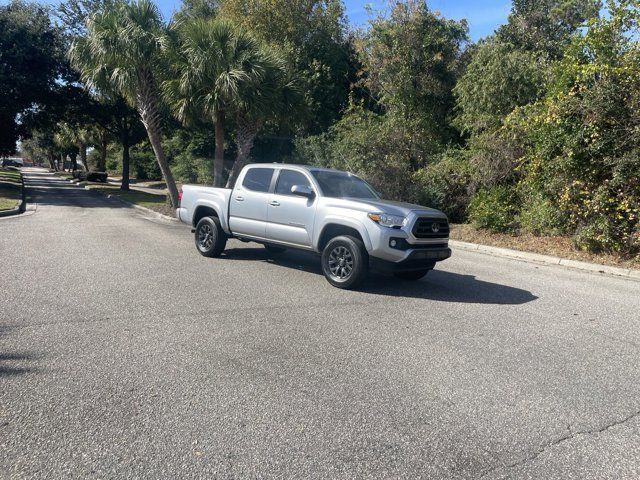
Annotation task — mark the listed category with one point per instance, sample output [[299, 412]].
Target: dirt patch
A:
[[556, 246]]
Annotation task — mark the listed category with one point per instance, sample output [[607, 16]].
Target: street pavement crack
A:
[[565, 438]]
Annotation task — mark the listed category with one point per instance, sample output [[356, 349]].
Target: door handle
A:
[[274, 203], [240, 198]]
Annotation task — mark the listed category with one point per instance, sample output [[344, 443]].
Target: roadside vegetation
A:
[[10, 188], [153, 201], [532, 132]]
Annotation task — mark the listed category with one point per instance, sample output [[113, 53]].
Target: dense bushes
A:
[[446, 183], [495, 209], [549, 113], [381, 148]]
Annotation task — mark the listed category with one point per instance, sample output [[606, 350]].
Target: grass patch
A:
[[554, 245], [66, 175], [10, 188], [153, 201]]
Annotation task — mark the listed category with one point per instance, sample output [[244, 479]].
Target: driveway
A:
[[125, 354]]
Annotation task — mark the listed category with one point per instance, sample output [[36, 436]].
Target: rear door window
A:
[[258, 179]]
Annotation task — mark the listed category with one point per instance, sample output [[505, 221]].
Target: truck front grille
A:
[[431, 228]]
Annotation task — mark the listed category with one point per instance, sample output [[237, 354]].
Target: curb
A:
[[22, 203], [547, 260], [158, 215]]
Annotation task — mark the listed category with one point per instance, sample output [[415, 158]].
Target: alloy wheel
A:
[[340, 263], [205, 237]]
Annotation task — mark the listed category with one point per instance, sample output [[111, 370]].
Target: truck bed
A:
[[195, 196]]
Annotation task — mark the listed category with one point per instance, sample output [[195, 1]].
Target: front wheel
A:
[[344, 262], [412, 275], [210, 238]]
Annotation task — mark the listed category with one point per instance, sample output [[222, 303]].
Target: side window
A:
[[258, 179], [289, 178]]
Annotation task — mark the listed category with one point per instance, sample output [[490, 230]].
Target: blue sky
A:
[[483, 15]]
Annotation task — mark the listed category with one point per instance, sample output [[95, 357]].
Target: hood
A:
[[396, 208]]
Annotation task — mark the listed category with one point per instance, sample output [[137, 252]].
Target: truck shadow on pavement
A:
[[438, 285], [11, 363]]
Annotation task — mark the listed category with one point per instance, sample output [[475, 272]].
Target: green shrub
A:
[[540, 216], [595, 237], [605, 217], [444, 184], [386, 150], [495, 209]]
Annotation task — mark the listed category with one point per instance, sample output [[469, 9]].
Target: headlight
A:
[[387, 220]]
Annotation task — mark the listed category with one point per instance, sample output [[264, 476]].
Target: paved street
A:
[[125, 354]]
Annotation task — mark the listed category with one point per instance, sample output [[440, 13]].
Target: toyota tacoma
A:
[[332, 213]]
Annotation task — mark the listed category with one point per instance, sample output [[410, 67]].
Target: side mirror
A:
[[303, 191]]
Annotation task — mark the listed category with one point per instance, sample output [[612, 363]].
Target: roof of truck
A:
[[309, 168]]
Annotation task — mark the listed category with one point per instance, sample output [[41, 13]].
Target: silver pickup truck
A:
[[329, 212]]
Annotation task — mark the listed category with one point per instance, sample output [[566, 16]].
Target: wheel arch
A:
[[203, 211], [335, 228], [210, 209]]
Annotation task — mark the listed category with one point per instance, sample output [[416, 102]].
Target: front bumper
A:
[[424, 259], [398, 245]]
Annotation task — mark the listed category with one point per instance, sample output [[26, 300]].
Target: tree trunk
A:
[[126, 161], [74, 162], [83, 156], [218, 161], [245, 135], [102, 165], [149, 113]]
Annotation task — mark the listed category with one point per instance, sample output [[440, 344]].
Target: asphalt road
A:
[[125, 354]]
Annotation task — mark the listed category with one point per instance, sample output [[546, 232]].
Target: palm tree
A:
[[213, 66], [259, 99], [122, 49], [74, 140]]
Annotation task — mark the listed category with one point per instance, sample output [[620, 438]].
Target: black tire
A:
[[209, 237], [345, 262], [412, 275], [274, 248]]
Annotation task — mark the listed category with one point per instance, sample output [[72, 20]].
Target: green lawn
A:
[[66, 175], [157, 202], [10, 188]]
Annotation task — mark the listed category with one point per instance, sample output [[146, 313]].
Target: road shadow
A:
[[443, 286], [11, 364], [438, 285], [46, 189]]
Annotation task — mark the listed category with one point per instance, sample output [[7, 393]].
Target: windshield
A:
[[341, 185]]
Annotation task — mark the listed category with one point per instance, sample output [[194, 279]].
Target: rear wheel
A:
[[412, 275], [274, 248], [345, 262], [210, 238]]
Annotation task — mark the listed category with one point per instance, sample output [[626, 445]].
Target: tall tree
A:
[[270, 97], [123, 48], [30, 64], [413, 62], [546, 26], [217, 72], [73, 15], [313, 37], [41, 146], [121, 122], [75, 139], [498, 79]]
